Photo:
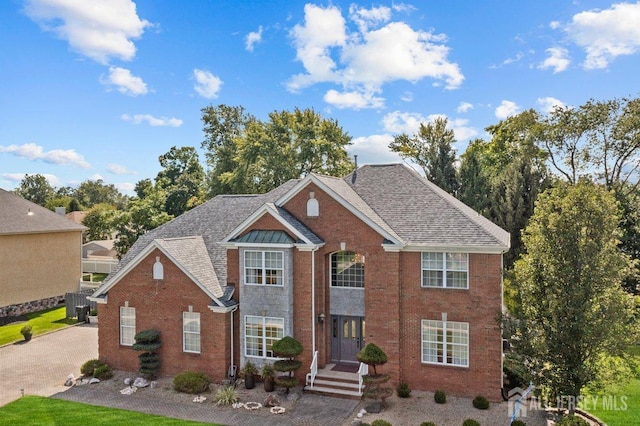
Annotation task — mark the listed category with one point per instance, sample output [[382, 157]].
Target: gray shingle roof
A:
[[14, 217], [420, 212]]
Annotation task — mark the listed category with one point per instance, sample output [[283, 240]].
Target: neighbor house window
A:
[[264, 267], [347, 269], [448, 270], [191, 332], [260, 333], [127, 325], [445, 342]]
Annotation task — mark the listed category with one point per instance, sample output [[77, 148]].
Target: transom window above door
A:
[[347, 269]]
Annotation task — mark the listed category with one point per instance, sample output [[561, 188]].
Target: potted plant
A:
[[93, 316], [27, 332], [268, 374], [248, 372]]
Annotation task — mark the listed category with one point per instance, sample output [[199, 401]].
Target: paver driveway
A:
[[41, 366]]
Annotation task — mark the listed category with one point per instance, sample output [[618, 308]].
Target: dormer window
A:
[[313, 208]]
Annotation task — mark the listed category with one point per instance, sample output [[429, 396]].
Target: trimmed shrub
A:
[[403, 390], [103, 372], [440, 397], [90, 366], [227, 396], [518, 423], [427, 424], [380, 422], [471, 422], [480, 402], [572, 421], [191, 382]]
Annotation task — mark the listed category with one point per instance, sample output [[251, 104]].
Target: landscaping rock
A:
[[271, 401], [71, 380], [140, 382], [374, 407], [94, 381]]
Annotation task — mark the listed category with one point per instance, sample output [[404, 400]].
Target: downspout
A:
[[231, 365], [313, 301]]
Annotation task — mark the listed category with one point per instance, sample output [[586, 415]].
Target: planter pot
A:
[[249, 381], [93, 319], [269, 384], [27, 337]]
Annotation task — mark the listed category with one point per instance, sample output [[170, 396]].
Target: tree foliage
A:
[[35, 188], [182, 177], [573, 307], [100, 222], [432, 149], [92, 192]]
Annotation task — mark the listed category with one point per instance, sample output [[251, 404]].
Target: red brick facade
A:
[[395, 305]]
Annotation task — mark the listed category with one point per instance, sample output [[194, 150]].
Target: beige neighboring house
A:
[[99, 250], [40, 256]]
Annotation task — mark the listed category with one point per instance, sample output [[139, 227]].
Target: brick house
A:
[[380, 256]]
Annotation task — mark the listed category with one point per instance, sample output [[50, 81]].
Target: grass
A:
[[40, 411], [619, 404], [42, 322]]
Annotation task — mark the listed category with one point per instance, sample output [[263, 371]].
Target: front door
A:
[[346, 339]]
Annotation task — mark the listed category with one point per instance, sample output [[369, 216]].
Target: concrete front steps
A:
[[343, 385]]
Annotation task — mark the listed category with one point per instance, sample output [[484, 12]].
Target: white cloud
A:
[[353, 100], [117, 169], [506, 109], [554, 25], [557, 60], [207, 85], [461, 129], [549, 103], [397, 122], [125, 82], [253, 38], [516, 58], [407, 96], [126, 187], [62, 157], [153, 121], [373, 149], [464, 107], [98, 30], [331, 53], [17, 177], [96, 177], [606, 34]]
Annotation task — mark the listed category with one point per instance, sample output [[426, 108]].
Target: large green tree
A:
[[92, 192], [182, 178], [432, 149], [35, 188], [574, 309], [100, 222]]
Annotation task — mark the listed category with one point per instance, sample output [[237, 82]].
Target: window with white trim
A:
[[191, 332], [347, 269], [445, 342], [445, 270], [263, 267], [260, 333], [127, 325]]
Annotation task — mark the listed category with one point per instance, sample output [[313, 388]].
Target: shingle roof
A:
[[420, 212], [14, 217]]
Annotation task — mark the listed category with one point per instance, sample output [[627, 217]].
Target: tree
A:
[[92, 192], [432, 149], [247, 155], [182, 177], [100, 221], [573, 307], [287, 348], [475, 181], [35, 188]]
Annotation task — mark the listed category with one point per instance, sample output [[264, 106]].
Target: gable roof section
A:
[[422, 214], [304, 236], [339, 190], [189, 254], [16, 220]]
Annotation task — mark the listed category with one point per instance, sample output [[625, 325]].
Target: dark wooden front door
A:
[[346, 339]]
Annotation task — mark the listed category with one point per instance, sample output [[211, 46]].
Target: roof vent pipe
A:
[[354, 176]]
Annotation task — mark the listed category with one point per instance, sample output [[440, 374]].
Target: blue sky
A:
[[99, 90]]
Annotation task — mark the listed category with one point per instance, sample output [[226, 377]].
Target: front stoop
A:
[[341, 386]]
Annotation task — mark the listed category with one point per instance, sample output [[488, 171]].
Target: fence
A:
[[99, 266], [78, 299]]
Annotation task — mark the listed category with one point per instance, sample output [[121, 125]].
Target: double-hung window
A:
[[127, 325], [445, 342], [191, 332], [264, 267], [260, 333], [445, 270]]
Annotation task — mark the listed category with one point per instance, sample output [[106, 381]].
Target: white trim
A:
[[263, 267], [99, 300], [444, 342], [482, 249], [223, 309], [312, 178], [185, 332]]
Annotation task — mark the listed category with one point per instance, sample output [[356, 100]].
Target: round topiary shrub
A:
[[480, 402], [427, 424], [103, 372], [90, 366], [191, 382], [403, 390], [380, 422], [572, 421], [471, 422], [440, 397], [518, 423]]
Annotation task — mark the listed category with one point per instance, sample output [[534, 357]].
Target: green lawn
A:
[[618, 405], [40, 411], [42, 322]]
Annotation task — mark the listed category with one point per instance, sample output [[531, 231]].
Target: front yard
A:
[[42, 322]]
